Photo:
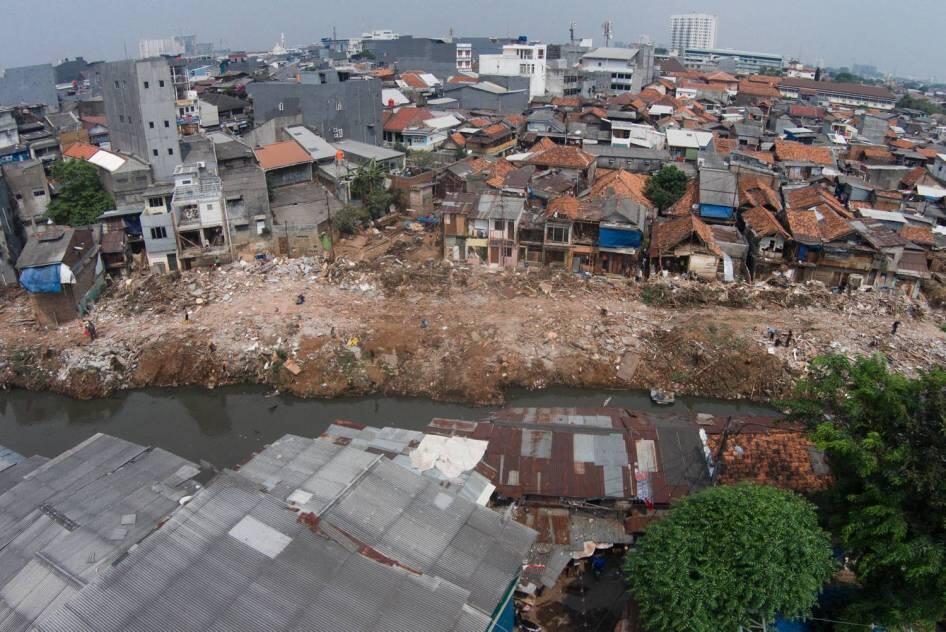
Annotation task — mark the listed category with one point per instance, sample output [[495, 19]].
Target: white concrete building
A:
[[627, 69], [157, 47], [693, 30], [519, 60], [464, 57], [199, 213]]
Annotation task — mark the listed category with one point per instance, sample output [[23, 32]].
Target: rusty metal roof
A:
[[586, 453]]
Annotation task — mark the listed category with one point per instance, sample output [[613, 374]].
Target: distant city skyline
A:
[[838, 34]]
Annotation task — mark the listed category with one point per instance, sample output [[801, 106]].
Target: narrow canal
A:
[[224, 426]]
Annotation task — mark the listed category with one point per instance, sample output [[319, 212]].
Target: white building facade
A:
[[693, 30], [464, 57], [519, 60]]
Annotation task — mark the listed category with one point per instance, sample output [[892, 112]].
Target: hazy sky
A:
[[904, 37]]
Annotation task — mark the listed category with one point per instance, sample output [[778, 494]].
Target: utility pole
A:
[[571, 33]]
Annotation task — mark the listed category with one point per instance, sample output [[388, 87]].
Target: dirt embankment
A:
[[398, 326]]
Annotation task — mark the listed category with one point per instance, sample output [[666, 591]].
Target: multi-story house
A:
[[200, 216], [521, 59], [141, 108]]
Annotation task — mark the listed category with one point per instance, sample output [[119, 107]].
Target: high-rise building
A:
[[140, 104], [693, 30]]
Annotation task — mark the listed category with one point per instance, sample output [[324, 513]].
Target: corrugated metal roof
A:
[[591, 453], [383, 549], [64, 521]]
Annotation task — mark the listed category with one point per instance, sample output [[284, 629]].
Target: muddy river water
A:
[[225, 426]]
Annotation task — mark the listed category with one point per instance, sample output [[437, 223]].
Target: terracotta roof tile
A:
[[463, 79], [798, 152], [929, 152], [458, 138], [563, 157], [80, 151], [282, 154], [414, 80], [899, 143], [405, 118], [669, 234], [920, 235], [515, 120], [684, 206], [804, 226], [622, 184], [564, 206], [870, 152], [909, 181], [761, 221], [542, 145], [757, 89], [498, 172], [782, 459], [562, 102]]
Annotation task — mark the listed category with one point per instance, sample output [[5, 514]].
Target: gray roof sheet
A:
[[46, 248], [62, 523], [237, 557]]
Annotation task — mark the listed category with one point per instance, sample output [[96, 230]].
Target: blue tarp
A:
[[616, 238], [44, 279], [715, 211], [132, 224]]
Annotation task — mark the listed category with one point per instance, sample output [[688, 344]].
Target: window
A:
[[557, 234], [210, 207], [161, 83], [147, 85], [170, 152], [116, 84], [155, 152], [507, 252], [167, 124], [498, 224], [121, 117], [19, 198], [159, 232], [281, 106], [155, 202], [39, 193], [151, 124]]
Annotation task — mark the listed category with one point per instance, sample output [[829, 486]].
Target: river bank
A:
[[430, 330]]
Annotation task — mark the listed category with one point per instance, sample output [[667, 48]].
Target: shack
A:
[[61, 269]]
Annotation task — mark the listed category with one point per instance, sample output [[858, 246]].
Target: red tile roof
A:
[[282, 154], [563, 157], [920, 235], [684, 206], [564, 206], [857, 89], [80, 151], [562, 102], [761, 221], [463, 79], [814, 227], [798, 152], [671, 233], [757, 89], [806, 111], [413, 80], [756, 191], [498, 172], [458, 138], [784, 459], [621, 184], [405, 118]]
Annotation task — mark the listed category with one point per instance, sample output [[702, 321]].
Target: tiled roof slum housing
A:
[[311, 535], [66, 521]]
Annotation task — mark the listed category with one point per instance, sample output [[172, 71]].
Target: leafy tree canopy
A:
[[884, 435], [729, 557], [80, 197], [910, 102], [665, 187]]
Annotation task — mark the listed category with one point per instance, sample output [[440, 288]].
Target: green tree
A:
[[369, 177], [729, 557], [421, 159], [348, 220], [80, 197], [909, 102], [665, 187], [884, 435]]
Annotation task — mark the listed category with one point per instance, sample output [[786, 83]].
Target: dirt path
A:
[[431, 330]]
